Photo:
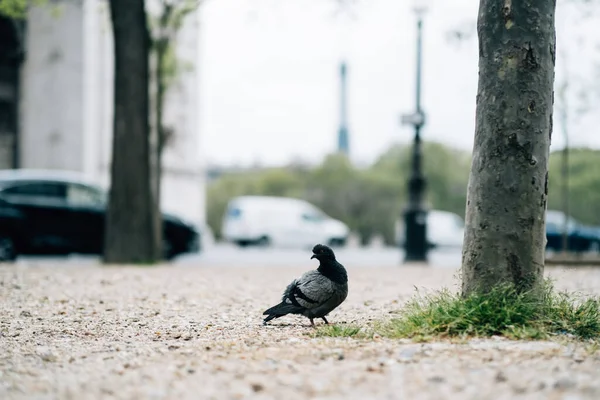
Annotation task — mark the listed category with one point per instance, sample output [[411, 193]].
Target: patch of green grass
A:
[[537, 314], [352, 331]]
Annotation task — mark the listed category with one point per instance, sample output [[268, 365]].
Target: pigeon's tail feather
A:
[[270, 317], [280, 310]]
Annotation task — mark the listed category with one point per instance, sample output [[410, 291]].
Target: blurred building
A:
[[58, 114]]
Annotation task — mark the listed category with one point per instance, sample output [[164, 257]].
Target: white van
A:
[[444, 229], [281, 222]]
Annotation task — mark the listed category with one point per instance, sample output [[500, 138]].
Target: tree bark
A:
[[505, 234], [131, 228]]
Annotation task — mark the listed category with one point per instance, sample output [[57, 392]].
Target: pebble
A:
[[501, 377], [408, 354], [564, 383], [46, 354]]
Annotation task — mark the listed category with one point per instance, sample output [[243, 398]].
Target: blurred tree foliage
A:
[[17, 9], [584, 184], [370, 200]]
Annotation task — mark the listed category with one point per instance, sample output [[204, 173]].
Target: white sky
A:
[[270, 85]]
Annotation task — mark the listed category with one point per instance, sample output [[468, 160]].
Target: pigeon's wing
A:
[[309, 291]]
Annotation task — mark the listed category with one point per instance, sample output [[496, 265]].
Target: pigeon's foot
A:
[[312, 322], [325, 319]]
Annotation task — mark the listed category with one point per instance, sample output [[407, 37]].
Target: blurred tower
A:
[[343, 136]]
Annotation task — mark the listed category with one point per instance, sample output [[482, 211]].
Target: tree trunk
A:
[[131, 228], [565, 198], [161, 46], [505, 234], [563, 116], [160, 131]]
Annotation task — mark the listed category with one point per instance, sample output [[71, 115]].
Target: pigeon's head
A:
[[322, 252]]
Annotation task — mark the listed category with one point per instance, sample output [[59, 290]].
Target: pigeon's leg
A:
[[312, 322], [325, 319]]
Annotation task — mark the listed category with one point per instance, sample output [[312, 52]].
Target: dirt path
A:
[[195, 333]]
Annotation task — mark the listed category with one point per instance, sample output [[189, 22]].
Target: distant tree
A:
[[508, 185], [17, 9], [132, 228], [167, 68], [368, 200], [576, 88], [447, 172], [573, 94], [584, 184]]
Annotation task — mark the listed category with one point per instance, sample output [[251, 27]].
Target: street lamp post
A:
[[415, 238]]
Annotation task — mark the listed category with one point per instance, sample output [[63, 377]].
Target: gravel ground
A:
[[195, 333]]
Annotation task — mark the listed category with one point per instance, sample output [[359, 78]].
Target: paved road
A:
[[226, 255], [223, 255]]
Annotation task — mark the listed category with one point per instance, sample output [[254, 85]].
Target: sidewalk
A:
[[195, 333]]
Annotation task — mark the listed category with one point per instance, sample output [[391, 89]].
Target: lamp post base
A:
[[415, 242]]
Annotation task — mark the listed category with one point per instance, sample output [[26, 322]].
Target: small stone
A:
[[519, 389], [46, 355], [564, 384], [407, 354], [187, 336], [25, 313], [374, 368], [572, 397], [257, 387], [437, 379], [501, 377], [173, 347]]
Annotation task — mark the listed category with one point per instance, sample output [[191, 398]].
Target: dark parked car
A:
[[61, 213], [580, 238]]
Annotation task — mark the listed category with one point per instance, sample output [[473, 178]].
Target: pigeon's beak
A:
[[313, 256]]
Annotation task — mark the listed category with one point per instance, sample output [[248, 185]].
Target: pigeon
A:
[[316, 293]]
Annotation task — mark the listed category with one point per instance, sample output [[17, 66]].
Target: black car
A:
[[580, 238], [61, 213]]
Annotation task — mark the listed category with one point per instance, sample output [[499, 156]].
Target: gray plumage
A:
[[316, 293]]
